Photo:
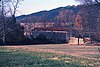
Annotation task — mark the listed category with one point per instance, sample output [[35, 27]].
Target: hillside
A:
[[61, 14]]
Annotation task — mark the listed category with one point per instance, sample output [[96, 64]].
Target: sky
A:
[[32, 6]]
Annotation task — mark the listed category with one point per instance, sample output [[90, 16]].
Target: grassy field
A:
[[49, 56]]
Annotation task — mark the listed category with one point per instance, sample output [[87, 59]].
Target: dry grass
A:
[[77, 51], [85, 55]]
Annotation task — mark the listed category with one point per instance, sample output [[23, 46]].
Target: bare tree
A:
[[90, 14], [8, 10], [78, 26]]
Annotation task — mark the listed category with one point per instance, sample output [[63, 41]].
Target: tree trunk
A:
[[78, 41], [4, 32], [3, 22], [4, 41], [84, 39]]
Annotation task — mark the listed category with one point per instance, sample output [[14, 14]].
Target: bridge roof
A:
[[53, 29]]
